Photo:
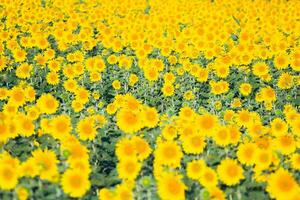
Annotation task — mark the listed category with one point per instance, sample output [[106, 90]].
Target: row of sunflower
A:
[[149, 99]]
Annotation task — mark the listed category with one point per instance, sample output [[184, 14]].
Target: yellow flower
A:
[[116, 84], [141, 146], [24, 70], [295, 161], [195, 168], [75, 183], [86, 129], [263, 158], [229, 115], [170, 186], [260, 69], [125, 148], [17, 96], [168, 153], [106, 194], [47, 103], [236, 103], [222, 136], [22, 193], [193, 143], [128, 168], [169, 132], [52, 78], [207, 123], [285, 81], [245, 89], [278, 126], [151, 117], [169, 77], [167, 90], [151, 73], [20, 55], [285, 143], [129, 121], [29, 168], [8, 176], [230, 172], [188, 95], [60, 126], [246, 153], [268, 94], [133, 79], [208, 178], [281, 61], [282, 185], [47, 162], [25, 126]]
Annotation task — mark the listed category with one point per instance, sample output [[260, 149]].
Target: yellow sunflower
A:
[[75, 183], [230, 172]]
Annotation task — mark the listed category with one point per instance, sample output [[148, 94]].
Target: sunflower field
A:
[[150, 99]]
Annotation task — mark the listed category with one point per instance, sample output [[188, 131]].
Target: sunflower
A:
[[4, 132], [8, 176], [244, 118], [263, 158], [193, 144], [245, 89], [278, 126], [86, 129], [296, 125], [25, 126], [216, 193], [170, 186], [124, 191], [150, 117], [24, 70], [82, 95], [47, 104], [195, 168], [60, 126], [168, 90], [169, 132], [75, 183], [125, 148], [207, 123], [22, 193], [286, 144], [29, 168], [47, 162], [282, 185], [129, 121], [208, 178], [246, 152], [260, 69], [281, 61], [295, 161], [106, 194], [20, 55], [168, 153], [133, 79], [17, 96], [230, 172], [76, 151], [222, 136], [128, 169], [187, 113], [142, 148], [52, 78], [285, 81], [116, 84]]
